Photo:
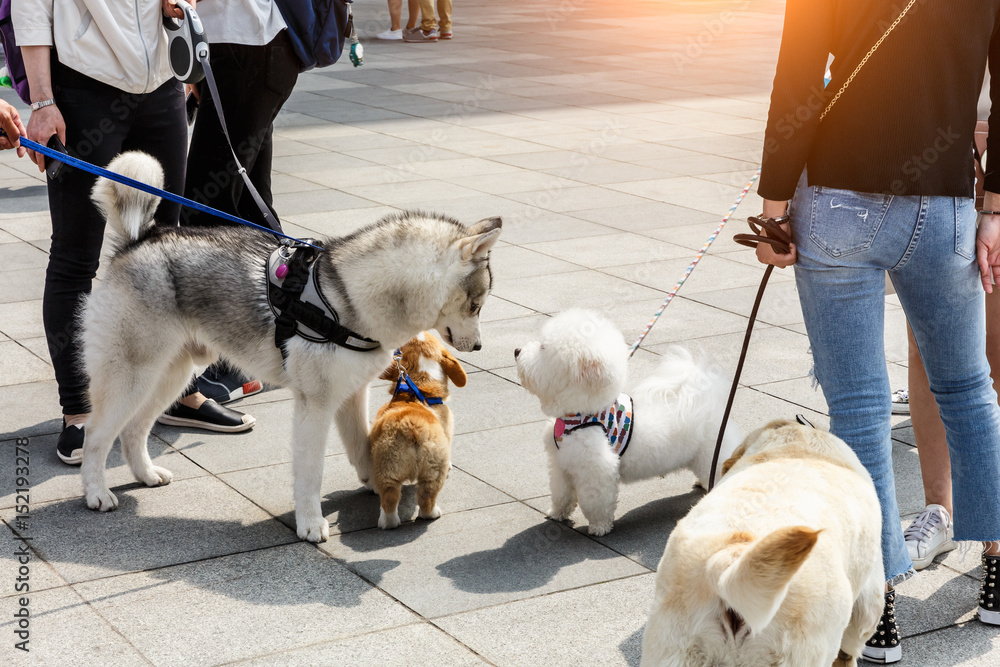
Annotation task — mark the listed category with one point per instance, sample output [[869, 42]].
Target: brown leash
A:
[[768, 231]]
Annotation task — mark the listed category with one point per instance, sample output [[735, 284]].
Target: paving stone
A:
[[488, 456], [188, 520], [579, 289], [495, 402], [412, 645], [970, 644], [292, 596], [65, 630], [29, 409], [511, 262], [22, 578], [594, 625], [346, 503], [51, 479], [476, 559], [612, 250], [18, 365], [23, 285], [500, 338]]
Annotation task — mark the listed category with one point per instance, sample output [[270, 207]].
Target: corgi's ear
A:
[[481, 238], [389, 374], [453, 369]]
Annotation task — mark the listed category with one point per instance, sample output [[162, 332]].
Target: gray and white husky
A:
[[178, 297]]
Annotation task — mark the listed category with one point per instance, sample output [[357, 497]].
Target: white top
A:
[[247, 22], [119, 42]]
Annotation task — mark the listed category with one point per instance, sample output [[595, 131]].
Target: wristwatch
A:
[[35, 106]]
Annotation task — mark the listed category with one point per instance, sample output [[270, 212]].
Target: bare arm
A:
[[46, 121]]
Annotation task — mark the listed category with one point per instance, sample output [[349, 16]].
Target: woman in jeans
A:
[[100, 82], [884, 184]]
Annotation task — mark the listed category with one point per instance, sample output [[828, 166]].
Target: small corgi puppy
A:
[[411, 436]]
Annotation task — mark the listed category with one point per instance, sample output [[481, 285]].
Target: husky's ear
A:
[[481, 237], [755, 584], [453, 369]]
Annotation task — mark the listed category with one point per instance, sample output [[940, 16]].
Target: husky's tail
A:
[[753, 579], [129, 211]]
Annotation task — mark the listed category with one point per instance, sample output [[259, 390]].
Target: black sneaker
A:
[[884, 646], [70, 445], [223, 384], [989, 593], [210, 416]]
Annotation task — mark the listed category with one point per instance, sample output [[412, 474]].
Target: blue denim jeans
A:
[[846, 242]]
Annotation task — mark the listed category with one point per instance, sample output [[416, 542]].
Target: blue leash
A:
[[144, 187]]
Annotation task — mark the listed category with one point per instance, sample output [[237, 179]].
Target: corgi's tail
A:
[[129, 211], [753, 579]]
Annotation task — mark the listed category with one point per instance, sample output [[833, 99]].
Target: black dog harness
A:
[[298, 304]]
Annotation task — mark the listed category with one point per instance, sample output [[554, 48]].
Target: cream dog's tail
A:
[[129, 211], [755, 583]]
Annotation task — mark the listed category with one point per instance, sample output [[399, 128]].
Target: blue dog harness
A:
[[617, 421], [405, 385]]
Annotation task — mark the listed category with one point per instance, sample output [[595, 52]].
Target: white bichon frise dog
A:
[[599, 435]]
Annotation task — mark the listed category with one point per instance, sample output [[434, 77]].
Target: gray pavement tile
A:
[[284, 184], [647, 513], [780, 305], [316, 201], [291, 597], [612, 250], [38, 347], [525, 224], [578, 289], [407, 155], [512, 182], [653, 216], [411, 646], [510, 458], [18, 365], [340, 223], [801, 392], [187, 520], [29, 409], [711, 274], [490, 402], [51, 479], [753, 409], [936, 598], [351, 176], [501, 309], [23, 285], [65, 630], [565, 199], [686, 191], [606, 173], [970, 644], [20, 256], [476, 559], [6, 238], [775, 354], [346, 503], [28, 577], [683, 319], [594, 625], [22, 319], [909, 487], [410, 192], [500, 338]]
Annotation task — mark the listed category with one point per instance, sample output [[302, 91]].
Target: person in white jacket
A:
[[101, 83]]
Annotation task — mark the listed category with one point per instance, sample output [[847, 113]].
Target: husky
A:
[[175, 298]]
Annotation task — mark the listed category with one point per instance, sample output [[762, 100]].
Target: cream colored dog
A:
[[780, 565]]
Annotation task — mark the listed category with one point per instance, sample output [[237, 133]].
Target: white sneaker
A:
[[391, 34], [901, 401], [929, 536]]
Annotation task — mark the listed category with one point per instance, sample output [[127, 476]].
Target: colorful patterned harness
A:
[[616, 420]]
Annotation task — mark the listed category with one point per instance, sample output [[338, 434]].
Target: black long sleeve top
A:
[[905, 124]]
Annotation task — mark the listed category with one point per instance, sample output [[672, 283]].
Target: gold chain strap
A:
[[865, 59]]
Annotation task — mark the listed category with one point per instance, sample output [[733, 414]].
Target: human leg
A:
[[928, 431], [444, 18], [843, 244], [947, 315], [413, 14], [395, 14]]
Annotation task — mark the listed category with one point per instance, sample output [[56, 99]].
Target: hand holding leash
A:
[[42, 126], [10, 122], [988, 251]]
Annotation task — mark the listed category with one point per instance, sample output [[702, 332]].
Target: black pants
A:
[[253, 81], [101, 121]]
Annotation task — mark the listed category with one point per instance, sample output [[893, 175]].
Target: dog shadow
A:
[[224, 557], [525, 562], [631, 648]]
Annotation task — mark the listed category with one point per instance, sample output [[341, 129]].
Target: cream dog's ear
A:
[[593, 373], [453, 369]]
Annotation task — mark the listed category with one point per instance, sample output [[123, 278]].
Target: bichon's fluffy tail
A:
[[129, 211]]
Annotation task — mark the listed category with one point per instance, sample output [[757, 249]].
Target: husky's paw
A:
[[102, 501], [598, 529], [433, 514], [388, 521], [156, 476], [317, 530]]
